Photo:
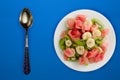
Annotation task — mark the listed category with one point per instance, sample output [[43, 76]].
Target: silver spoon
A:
[[26, 20]]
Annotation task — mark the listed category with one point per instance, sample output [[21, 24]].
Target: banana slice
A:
[[68, 43], [80, 50], [90, 42], [96, 33], [86, 35], [100, 49], [88, 23]]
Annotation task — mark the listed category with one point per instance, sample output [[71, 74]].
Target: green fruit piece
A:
[[99, 41], [62, 44], [100, 28], [67, 37], [74, 45], [97, 21], [80, 42], [95, 46]]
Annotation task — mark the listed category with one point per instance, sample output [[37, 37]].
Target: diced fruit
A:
[[90, 43], [96, 33], [65, 57], [68, 43], [73, 45], [70, 23], [81, 18], [94, 27], [104, 47], [80, 42], [63, 34], [98, 57], [80, 50], [87, 25], [100, 49], [67, 37], [97, 21], [100, 28], [85, 53], [69, 52], [62, 44], [99, 41], [91, 60], [78, 24], [74, 34], [105, 32], [86, 35], [83, 60], [93, 53]]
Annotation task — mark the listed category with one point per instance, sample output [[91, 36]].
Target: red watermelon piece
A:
[[83, 60], [69, 52], [81, 18], [65, 57], [104, 47], [78, 24], [85, 53], [94, 27], [91, 60], [63, 34], [74, 34], [105, 32], [93, 53], [70, 23], [87, 28], [99, 57]]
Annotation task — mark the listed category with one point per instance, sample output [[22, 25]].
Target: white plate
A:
[[111, 38]]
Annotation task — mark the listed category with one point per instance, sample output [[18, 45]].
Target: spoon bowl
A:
[[26, 18]]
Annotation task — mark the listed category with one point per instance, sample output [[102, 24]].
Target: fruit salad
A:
[[84, 41]]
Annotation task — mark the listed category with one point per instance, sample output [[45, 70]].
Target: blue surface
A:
[[45, 64]]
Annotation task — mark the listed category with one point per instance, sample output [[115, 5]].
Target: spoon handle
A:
[[26, 57]]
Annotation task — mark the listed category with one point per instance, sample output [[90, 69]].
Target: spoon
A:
[[26, 20]]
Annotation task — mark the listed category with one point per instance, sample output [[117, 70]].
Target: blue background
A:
[[45, 64]]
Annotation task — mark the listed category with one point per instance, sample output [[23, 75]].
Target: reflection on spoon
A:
[[25, 17]]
